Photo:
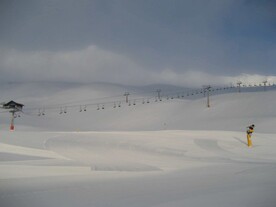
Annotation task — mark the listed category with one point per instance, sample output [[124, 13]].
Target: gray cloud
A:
[[217, 37], [94, 64]]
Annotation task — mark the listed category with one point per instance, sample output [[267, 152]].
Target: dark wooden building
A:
[[13, 105]]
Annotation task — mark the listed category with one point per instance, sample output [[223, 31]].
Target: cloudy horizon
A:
[[184, 43]]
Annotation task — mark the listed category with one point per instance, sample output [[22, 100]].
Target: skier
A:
[[250, 130]]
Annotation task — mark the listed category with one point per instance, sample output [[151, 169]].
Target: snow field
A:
[[166, 154]]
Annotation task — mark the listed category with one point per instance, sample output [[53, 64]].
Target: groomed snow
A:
[[166, 154]]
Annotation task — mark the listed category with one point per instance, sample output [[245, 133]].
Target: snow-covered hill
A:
[[229, 111], [169, 153]]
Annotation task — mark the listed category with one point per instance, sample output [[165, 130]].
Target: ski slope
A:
[[167, 154]]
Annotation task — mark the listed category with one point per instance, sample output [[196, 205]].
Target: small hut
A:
[[14, 107]]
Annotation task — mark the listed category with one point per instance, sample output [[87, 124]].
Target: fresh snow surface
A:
[[165, 154]]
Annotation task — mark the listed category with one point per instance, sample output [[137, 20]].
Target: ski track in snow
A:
[[166, 168]]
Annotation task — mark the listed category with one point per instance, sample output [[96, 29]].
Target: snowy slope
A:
[[172, 153], [232, 111], [160, 168]]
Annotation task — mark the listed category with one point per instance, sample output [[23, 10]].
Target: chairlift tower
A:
[[126, 95], [158, 94], [207, 88], [239, 86]]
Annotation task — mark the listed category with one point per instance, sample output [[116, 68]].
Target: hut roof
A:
[[13, 104]]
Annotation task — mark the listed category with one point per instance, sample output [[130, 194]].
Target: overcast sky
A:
[[138, 42]]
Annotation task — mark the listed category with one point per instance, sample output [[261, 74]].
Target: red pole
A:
[[12, 122]]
